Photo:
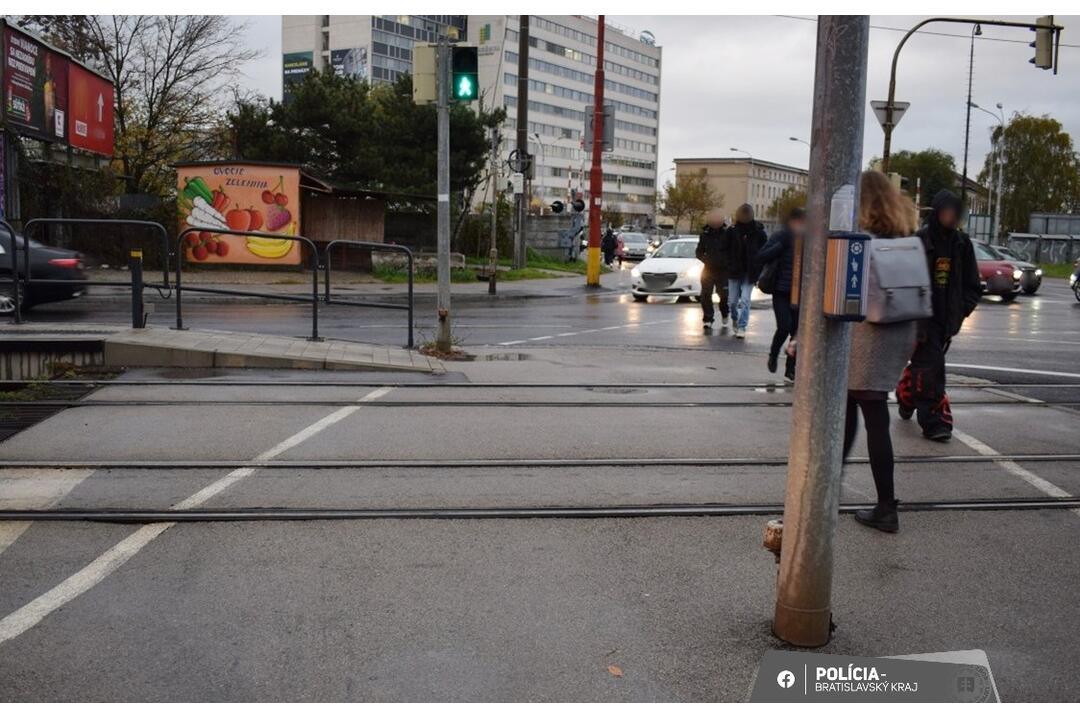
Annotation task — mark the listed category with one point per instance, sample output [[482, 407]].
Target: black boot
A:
[[882, 517], [771, 364]]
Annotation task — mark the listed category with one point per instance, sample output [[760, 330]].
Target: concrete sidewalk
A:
[[352, 286], [162, 347]]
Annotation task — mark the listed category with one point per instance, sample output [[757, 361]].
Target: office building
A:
[[739, 180]]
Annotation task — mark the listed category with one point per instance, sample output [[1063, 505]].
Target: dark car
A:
[[46, 263], [997, 275], [1031, 278]]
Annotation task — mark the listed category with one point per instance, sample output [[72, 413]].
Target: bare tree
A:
[[172, 75]]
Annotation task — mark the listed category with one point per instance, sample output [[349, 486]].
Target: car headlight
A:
[[692, 273], [1017, 273], [1038, 271], [635, 273], [1072, 278]]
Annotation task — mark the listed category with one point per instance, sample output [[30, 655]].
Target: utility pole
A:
[[596, 175], [977, 30], [804, 587], [523, 157], [442, 81], [493, 252]]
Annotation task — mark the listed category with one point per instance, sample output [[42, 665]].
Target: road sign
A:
[[517, 182], [880, 106], [424, 89]]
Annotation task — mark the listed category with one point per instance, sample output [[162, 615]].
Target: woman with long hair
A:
[[879, 353]]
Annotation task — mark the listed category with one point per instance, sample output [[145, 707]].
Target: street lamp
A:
[[975, 31], [750, 181], [799, 140], [999, 153]]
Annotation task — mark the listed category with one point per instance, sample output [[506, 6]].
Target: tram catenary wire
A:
[[113, 515]]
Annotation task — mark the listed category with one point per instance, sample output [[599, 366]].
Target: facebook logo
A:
[[785, 679]]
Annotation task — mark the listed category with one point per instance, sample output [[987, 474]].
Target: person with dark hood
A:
[[955, 292], [608, 245], [781, 250], [745, 238], [712, 252]]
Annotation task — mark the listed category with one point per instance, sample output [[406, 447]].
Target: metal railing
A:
[[29, 280], [314, 299], [378, 247]]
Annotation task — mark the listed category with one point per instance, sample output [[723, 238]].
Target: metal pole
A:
[[138, 317], [596, 175], [804, 588], [1000, 148], [520, 199], [493, 252], [967, 123], [442, 342]]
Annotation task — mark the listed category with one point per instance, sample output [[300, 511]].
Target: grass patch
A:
[[1057, 270]]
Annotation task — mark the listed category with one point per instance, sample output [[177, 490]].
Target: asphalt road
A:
[[537, 609]]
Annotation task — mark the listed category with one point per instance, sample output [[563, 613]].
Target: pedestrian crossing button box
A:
[[847, 258]]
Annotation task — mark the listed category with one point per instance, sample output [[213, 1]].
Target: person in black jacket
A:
[[955, 292], [608, 245], [781, 250], [712, 252], [745, 238]]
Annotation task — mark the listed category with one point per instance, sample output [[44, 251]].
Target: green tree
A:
[[929, 170], [690, 197], [1040, 169], [374, 137], [787, 201]]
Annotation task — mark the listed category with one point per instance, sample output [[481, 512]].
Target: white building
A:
[[562, 60]]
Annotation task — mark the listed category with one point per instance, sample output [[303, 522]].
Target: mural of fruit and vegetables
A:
[[244, 198]]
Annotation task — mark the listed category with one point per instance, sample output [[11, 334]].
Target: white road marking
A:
[[584, 332], [1012, 395], [33, 488], [1044, 486], [1022, 371], [102, 566]]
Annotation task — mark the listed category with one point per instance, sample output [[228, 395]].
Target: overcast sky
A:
[[747, 82]]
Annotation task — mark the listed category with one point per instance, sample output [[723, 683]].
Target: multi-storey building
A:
[[738, 180], [562, 62]]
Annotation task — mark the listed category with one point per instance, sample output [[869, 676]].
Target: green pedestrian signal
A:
[[464, 68]]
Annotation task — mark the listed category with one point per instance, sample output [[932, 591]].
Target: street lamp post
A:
[[750, 182], [999, 160], [975, 31], [799, 140]]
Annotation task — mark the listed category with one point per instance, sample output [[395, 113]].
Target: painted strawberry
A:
[[277, 217]]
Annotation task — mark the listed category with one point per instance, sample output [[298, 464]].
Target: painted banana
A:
[[268, 249]]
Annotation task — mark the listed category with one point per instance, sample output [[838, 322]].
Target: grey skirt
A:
[[879, 354]]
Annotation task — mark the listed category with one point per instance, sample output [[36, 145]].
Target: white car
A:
[[671, 271]]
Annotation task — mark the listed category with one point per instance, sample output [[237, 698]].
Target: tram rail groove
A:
[[225, 381], [495, 403], [116, 515], [117, 464]]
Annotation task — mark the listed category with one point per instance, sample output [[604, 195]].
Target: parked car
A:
[[46, 263], [632, 246], [673, 271], [1074, 280], [997, 276], [1032, 273]]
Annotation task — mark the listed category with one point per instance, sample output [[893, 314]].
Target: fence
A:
[[1045, 248]]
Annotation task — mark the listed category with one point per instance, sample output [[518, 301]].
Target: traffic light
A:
[[557, 207], [578, 205], [464, 74], [1044, 43]]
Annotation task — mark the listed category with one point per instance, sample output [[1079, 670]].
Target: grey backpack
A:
[[899, 281]]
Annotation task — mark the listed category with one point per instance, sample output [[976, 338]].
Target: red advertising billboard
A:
[[90, 111], [35, 83]]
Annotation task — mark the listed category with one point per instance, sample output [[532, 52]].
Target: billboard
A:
[[294, 66], [90, 111], [240, 197], [350, 63], [35, 87]]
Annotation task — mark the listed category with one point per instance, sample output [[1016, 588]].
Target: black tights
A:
[[875, 411]]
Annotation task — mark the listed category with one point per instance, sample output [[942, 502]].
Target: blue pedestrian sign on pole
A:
[[847, 258]]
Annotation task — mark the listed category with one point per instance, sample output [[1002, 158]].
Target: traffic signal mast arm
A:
[[1036, 26]]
